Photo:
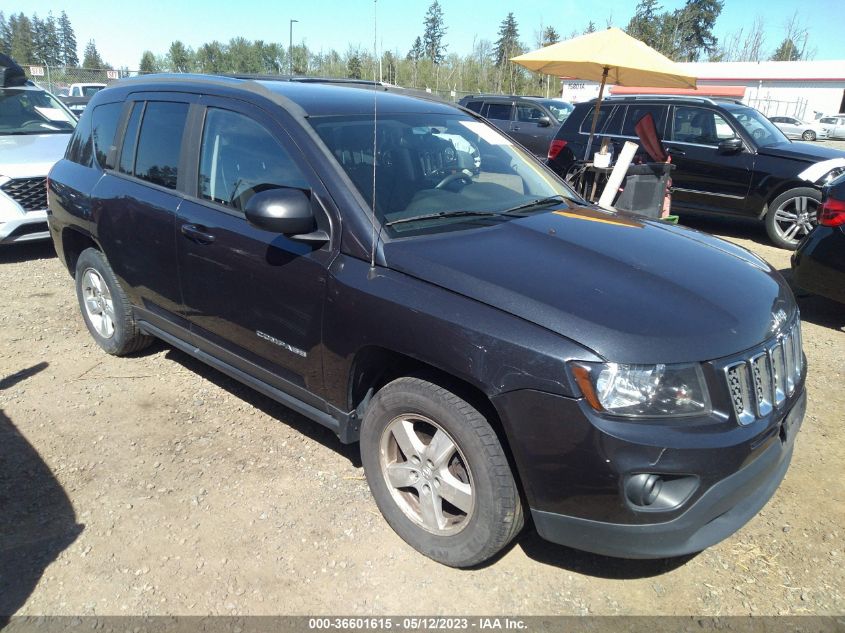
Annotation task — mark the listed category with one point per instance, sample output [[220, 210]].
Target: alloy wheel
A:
[[99, 306], [795, 218]]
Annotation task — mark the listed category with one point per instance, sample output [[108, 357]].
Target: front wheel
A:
[[809, 135], [792, 215], [438, 473]]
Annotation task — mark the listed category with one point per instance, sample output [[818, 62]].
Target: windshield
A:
[[764, 132], [31, 111], [450, 166], [561, 109]]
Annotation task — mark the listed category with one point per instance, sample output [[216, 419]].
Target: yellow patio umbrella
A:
[[611, 55]]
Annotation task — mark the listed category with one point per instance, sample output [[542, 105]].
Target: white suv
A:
[[834, 124]]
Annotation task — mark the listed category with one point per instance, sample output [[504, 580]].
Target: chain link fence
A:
[[59, 79]]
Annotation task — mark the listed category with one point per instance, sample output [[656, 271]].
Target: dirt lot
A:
[[155, 485]]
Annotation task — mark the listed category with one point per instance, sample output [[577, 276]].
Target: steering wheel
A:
[[758, 134], [461, 175]]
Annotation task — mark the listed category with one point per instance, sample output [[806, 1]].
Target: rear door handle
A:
[[676, 152], [197, 234]]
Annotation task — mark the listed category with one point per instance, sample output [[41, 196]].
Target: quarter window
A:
[[239, 158], [604, 115], [130, 139], [160, 141], [106, 117]]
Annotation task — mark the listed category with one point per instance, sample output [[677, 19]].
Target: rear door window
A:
[[528, 113], [500, 111], [475, 106], [239, 157], [699, 126], [605, 113], [637, 112], [160, 143], [106, 118]]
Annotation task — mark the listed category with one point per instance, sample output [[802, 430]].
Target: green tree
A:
[[148, 63], [694, 29], [242, 56], [550, 36], [211, 58], [644, 24], [181, 58], [590, 28], [67, 41], [91, 58], [52, 43], [354, 69], [787, 51], [435, 30], [507, 46], [5, 34], [21, 39], [417, 51]]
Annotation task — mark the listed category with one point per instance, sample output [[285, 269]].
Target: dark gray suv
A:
[[532, 121], [501, 350]]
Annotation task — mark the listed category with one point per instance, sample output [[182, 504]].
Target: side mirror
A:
[[544, 121], [731, 145], [283, 210]]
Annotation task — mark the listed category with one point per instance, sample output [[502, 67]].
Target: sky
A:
[[123, 30]]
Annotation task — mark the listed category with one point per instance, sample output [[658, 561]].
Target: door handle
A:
[[676, 152], [515, 128], [197, 234]]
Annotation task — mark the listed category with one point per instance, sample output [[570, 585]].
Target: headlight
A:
[[643, 391]]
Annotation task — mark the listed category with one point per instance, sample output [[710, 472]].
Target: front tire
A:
[[438, 473], [792, 215], [105, 308], [809, 135]]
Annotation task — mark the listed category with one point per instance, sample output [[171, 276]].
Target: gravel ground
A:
[[156, 485]]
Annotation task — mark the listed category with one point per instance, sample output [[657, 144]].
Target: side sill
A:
[[345, 425]]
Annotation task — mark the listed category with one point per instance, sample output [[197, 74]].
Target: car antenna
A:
[[375, 130]]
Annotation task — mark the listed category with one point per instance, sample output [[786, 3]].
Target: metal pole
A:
[[596, 113], [290, 48]]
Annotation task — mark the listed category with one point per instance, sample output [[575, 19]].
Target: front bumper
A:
[[28, 227], [574, 471]]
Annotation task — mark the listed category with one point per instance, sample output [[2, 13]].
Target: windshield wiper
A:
[[443, 214], [539, 202]]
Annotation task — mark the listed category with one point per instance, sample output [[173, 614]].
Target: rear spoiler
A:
[[11, 74]]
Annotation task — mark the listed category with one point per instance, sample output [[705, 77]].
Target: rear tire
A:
[[438, 473], [809, 135], [105, 308], [792, 215]]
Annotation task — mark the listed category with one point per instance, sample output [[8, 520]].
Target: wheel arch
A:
[[74, 241], [782, 189]]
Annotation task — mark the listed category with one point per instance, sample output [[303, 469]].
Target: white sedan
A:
[[796, 128]]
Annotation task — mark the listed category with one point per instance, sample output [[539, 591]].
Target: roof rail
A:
[[665, 97]]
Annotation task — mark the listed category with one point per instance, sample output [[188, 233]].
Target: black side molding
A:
[[345, 425]]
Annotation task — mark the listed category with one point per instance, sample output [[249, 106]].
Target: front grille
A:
[[30, 193], [768, 377]]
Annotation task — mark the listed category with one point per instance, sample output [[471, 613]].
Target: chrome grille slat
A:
[[763, 381]]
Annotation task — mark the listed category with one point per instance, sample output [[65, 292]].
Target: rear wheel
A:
[[792, 215], [809, 135], [105, 308], [438, 473]]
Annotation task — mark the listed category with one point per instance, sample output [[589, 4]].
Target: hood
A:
[[802, 151], [30, 155], [629, 289]]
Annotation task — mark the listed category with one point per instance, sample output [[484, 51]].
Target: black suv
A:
[[532, 121], [729, 158], [495, 344]]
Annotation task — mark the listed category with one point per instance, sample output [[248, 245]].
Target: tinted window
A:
[[475, 106], [240, 158], [528, 113], [604, 115], [105, 120], [828, 120], [498, 111], [637, 112], [130, 139], [614, 125], [700, 126], [160, 141], [79, 149]]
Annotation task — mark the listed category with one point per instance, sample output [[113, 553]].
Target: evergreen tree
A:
[[353, 66], [181, 58], [211, 58], [5, 34], [67, 41], [39, 48], [550, 36], [91, 58], [21, 39], [644, 25], [148, 63], [434, 32], [417, 51], [591, 28], [52, 44], [695, 22], [786, 52], [507, 45]]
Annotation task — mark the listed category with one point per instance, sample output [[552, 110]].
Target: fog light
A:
[[643, 489], [657, 493]]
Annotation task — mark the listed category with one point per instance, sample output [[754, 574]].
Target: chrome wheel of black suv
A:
[[438, 473], [792, 215]]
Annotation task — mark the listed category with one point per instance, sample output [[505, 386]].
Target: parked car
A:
[[834, 124], [532, 121], [818, 265], [79, 94], [34, 132], [497, 345], [729, 159], [796, 128]]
